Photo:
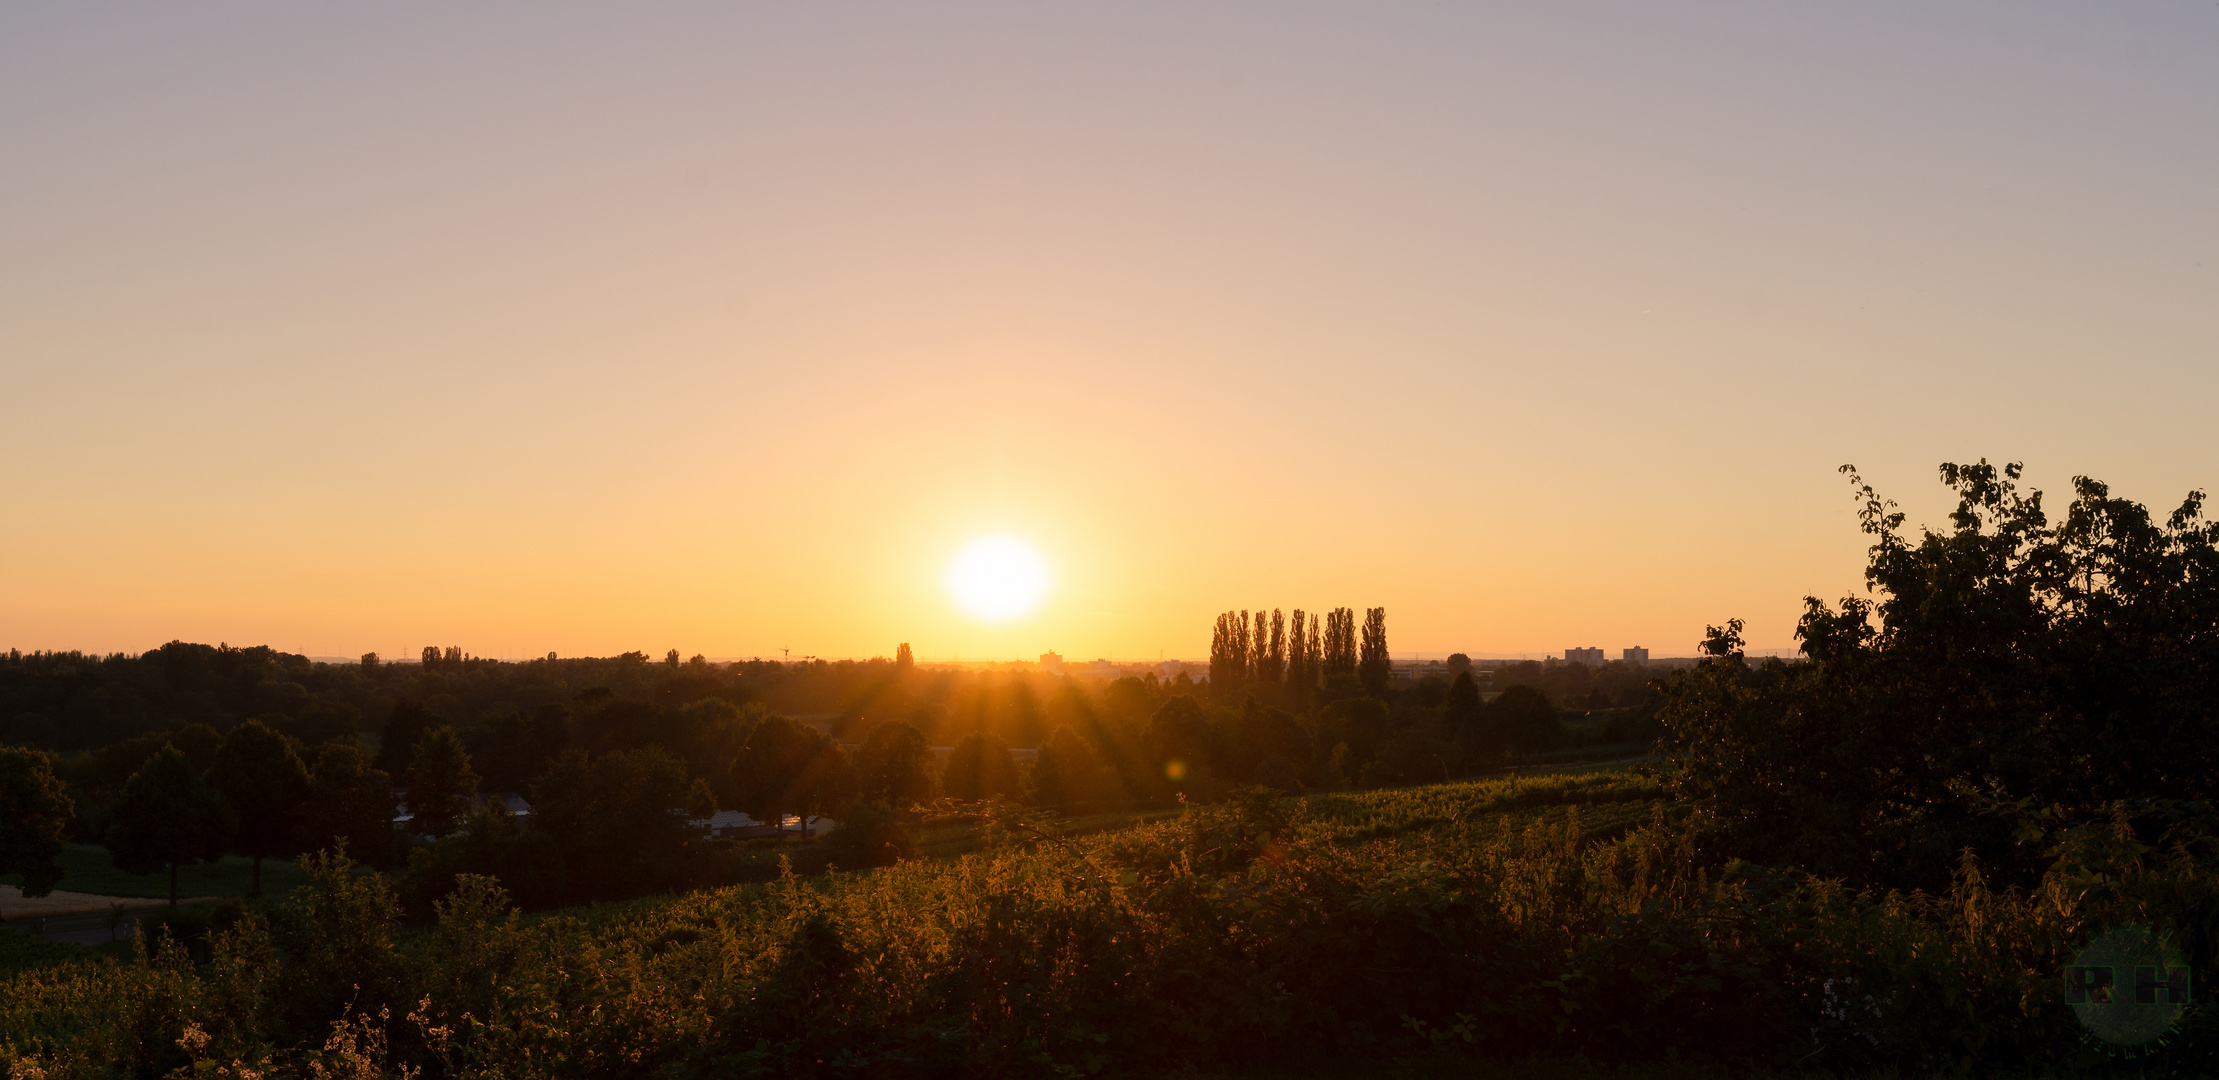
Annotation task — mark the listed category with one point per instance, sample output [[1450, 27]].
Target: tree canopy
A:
[[2006, 664], [265, 782], [168, 816], [34, 819]]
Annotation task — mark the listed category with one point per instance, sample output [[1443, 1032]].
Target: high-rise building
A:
[[1637, 655], [1590, 657]]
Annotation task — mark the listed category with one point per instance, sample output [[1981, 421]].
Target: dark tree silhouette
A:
[[904, 660], [441, 785], [34, 819], [266, 784], [350, 804], [1229, 654], [981, 767], [1340, 642], [622, 820], [403, 728], [788, 767], [1068, 773], [1373, 667], [168, 816], [894, 766]]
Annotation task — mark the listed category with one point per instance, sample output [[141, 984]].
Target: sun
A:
[[997, 578]]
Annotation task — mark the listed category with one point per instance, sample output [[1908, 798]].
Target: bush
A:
[[868, 834]]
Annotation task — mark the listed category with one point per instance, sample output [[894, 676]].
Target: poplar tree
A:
[[1229, 653], [1373, 666], [1340, 642], [1301, 661]]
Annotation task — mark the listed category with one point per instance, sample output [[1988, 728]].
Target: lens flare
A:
[[997, 578]]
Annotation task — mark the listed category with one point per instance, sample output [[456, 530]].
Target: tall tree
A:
[[265, 783], [403, 727], [35, 812], [904, 660], [1229, 661], [1340, 642], [788, 767], [981, 767], [1461, 718], [623, 820], [2067, 663], [894, 766], [350, 803], [1068, 773], [1373, 666], [441, 785], [168, 816], [1271, 649], [1301, 662]]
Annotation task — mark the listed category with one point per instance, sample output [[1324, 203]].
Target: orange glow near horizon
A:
[[722, 329]]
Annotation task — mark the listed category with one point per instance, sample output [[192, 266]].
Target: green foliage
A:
[[34, 819]]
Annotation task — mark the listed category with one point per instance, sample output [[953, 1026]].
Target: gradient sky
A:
[[590, 328]]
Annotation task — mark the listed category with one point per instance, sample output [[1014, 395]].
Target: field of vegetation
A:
[[1553, 917]]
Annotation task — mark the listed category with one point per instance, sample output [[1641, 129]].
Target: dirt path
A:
[[14, 907]]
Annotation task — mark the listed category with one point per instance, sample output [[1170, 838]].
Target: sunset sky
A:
[[723, 327]]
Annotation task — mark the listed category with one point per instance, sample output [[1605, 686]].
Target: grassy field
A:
[[87, 868]]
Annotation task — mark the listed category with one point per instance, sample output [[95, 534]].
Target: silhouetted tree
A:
[[2064, 664], [623, 820], [788, 767], [1229, 654], [34, 819], [1523, 721], [168, 816], [1181, 744], [265, 783], [350, 804], [404, 726], [1462, 720], [1339, 649], [1302, 659], [904, 660], [894, 766], [1373, 666], [981, 767], [1068, 773], [441, 785]]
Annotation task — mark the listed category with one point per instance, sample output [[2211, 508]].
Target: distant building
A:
[[1590, 657], [1051, 661], [1637, 656]]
